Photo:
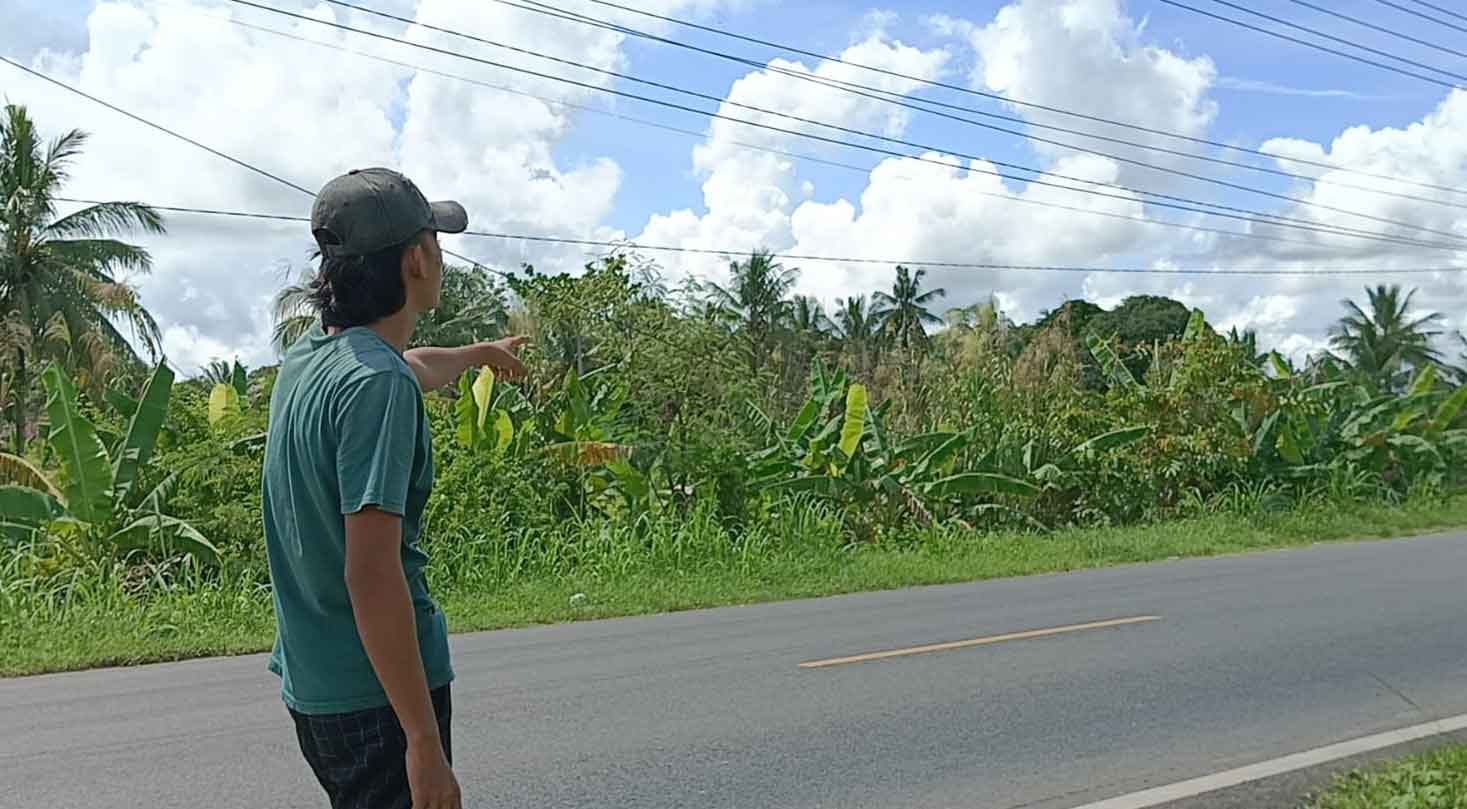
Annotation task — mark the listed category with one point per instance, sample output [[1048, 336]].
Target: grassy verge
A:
[[1435, 780], [98, 623]]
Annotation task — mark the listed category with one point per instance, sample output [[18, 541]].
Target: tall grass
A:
[[106, 613]]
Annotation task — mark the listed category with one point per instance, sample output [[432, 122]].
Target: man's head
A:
[[378, 239]]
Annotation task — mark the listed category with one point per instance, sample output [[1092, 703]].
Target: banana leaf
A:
[[21, 472], [88, 469], [855, 421], [971, 483], [142, 432], [24, 511]]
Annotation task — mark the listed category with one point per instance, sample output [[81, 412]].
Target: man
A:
[[361, 649]]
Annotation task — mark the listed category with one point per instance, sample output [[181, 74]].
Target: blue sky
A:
[[1314, 95]]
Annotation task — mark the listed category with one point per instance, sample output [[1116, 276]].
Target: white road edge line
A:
[[1266, 769]]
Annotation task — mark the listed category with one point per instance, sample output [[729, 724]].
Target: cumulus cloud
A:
[[1088, 56], [750, 196], [306, 114]]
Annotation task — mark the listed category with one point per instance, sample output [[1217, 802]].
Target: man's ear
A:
[[413, 260]]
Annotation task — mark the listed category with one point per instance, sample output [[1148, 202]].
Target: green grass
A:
[[1435, 780], [679, 565]]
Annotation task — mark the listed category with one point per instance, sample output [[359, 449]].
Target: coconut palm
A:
[[903, 316], [808, 318], [1390, 341], [63, 294], [757, 301], [857, 328]]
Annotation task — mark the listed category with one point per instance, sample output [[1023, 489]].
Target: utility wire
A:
[[186, 139], [1427, 17], [909, 144], [1223, 211], [257, 170], [808, 158], [1340, 40], [1382, 29], [1016, 102], [922, 104], [1308, 44], [615, 245]]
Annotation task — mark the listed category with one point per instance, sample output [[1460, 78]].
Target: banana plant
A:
[[1060, 472], [838, 447], [227, 398], [1396, 437], [491, 419], [584, 420], [98, 495]]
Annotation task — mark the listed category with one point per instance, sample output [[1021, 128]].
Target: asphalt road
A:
[[1253, 657]]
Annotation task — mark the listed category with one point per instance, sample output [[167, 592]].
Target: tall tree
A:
[[63, 293], [904, 315], [1388, 343], [808, 318], [856, 326], [757, 301]]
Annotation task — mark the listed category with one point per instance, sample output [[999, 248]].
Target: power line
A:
[[1341, 40], [955, 265], [236, 161], [921, 105], [1222, 211], [1308, 44], [1428, 17], [910, 144], [1017, 102], [257, 170], [1382, 29], [863, 170]]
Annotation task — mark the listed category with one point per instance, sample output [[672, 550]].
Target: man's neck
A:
[[397, 329]]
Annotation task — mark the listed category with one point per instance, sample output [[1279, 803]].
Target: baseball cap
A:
[[368, 210]]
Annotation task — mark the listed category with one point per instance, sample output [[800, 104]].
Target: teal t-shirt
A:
[[347, 431]]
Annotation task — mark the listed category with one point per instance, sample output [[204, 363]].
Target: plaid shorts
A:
[[360, 758]]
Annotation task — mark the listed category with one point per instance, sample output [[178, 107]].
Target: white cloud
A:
[[749, 196], [306, 114], [1087, 56]]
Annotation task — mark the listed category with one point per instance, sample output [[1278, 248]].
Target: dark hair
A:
[[360, 290]]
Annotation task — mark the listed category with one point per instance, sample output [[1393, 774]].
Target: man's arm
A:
[[383, 609], [438, 367]]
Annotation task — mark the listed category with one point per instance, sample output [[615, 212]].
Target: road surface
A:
[[1230, 661]]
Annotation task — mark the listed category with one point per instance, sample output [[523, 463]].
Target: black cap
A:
[[369, 210]]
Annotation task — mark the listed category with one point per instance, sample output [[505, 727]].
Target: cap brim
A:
[[449, 217]]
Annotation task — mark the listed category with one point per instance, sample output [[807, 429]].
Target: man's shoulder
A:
[[353, 358]]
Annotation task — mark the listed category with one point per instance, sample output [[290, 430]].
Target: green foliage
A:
[[1433, 780], [643, 410], [98, 509], [63, 279]]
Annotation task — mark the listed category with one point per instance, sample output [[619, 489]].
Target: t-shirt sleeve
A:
[[377, 434]]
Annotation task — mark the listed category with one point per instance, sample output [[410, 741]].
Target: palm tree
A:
[[1387, 344], [1246, 342], [807, 317], [756, 299], [856, 326], [61, 293], [293, 313], [903, 315], [217, 372]]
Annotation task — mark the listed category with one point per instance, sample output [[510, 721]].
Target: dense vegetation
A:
[[705, 428], [1432, 780]]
